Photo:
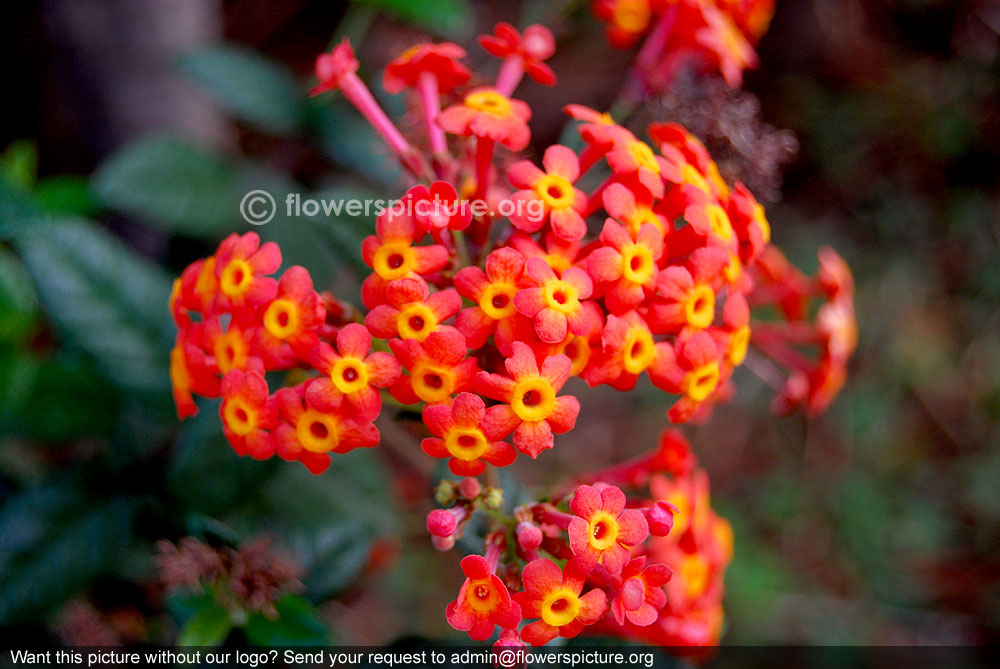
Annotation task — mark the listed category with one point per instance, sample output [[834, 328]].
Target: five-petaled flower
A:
[[602, 529], [489, 114], [554, 595], [562, 204], [460, 434], [438, 368], [554, 302], [483, 601], [531, 409]]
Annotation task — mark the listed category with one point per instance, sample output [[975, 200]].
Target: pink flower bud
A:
[[469, 488], [660, 517], [441, 523], [529, 536]]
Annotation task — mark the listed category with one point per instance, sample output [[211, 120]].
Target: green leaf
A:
[[173, 185], [69, 195], [298, 624], [18, 302], [19, 211], [105, 299], [209, 626], [19, 164], [53, 543], [251, 87], [333, 557], [446, 18]]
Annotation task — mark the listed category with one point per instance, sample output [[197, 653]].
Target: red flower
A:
[[438, 368], [233, 348], [554, 302], [625, 270], [191, 371], [554, 596], [241, 267], [686, 298], [411, 312], [350, 372], [534, 46], [459, 433], [641, 595], [692, 369], [559, 254], [749, 222], [493, 292], [483, 601], [628, 350], [634, 208], [310, 433], [332, 67], [552, 192], [627, 20], [437, 209], [291, 321], [489, 114], [248, 412], [603, 530], [532, 411], [392, 254], [440, 60], [631, 157]]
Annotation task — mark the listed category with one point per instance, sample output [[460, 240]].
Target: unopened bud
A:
[[493, 498], [529, 536], [660, 517], [445, 493], [441, 523], [469, 488]]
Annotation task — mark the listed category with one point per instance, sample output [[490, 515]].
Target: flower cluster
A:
[[715, 35], [636, 258], [648, 567]]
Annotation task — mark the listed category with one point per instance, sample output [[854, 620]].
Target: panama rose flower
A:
[[440, 61], [554, 596], [602, 529], [352, 373], [532, 47], [692, 369], [412, 313], [686, 298], [483, 601], [493, 292], [532, 411], [309, 434], [554, 302], [191, 371], [488, 113], [248, 412], [562, 205], [624, 269], [242, 267], [393, 255], [438, 368], [437, 208], [633, 208], [232, 347], [290, 321], [627, 350], [641, 597], [627, 20], [459, 434]]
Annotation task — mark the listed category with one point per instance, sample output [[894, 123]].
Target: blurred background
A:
[[133, 128]]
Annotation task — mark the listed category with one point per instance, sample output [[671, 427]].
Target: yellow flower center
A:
[[231, 351], [561, 296], [433, 384], [466, 443], [239, 417], [640, 351], [497, 300], [602, 531], [282, 318], [236, 278], [639, 217], [761, 219], [644, 156], [349, 375], [317, 432], [416, 322], [722, 227], [692, 177], [699, 307], [205, 285], [560, 607], [716, 178], [632, 16], [699, 383], [694, 572], [480, 595], [555, 191], [559, 263], [533, 400], [577, 349], [637, 263], [731, 272], [394, 260], [490, 102], [736, 352]]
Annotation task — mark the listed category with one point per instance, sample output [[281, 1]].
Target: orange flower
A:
[[440, 60], [487, 113], [460, 434], [437, 369], [532, 411], [560, 204], [554, 596], [248, 413], [625, 270], [554, 302], [242, 264], [602, 529], [412, 313], [393, 255], [290, 321]]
